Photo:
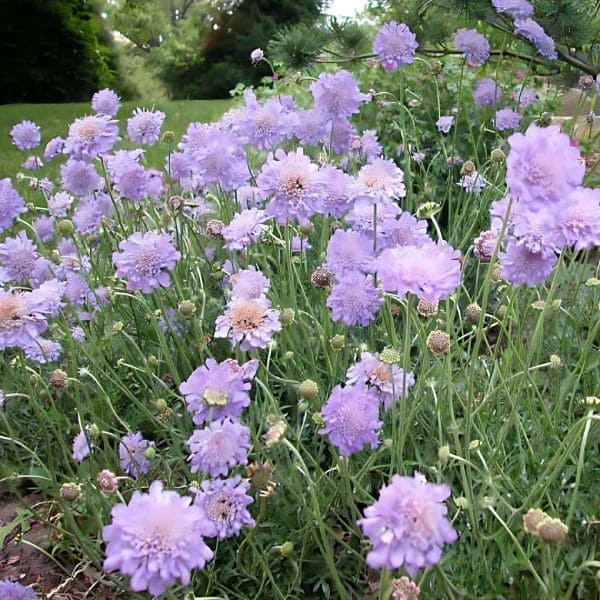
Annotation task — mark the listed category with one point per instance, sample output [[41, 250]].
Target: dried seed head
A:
[[427, 309], [214, 228], [555, 362], [321, 277], [287, 316], [337, 342], [438, 342], [586, 82], [405, 589], [261, 475], [70, 491], [472, 313], [58, 379], [468, 168], [275, 433], [552, 531], [308, 390], [532, 519], [186, 308], [107, 481]]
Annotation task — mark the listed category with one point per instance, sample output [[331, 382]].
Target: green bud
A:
[[150, 453], [168, 137], [94, 431], [428, 209], [70, 491], [287, 316], [337, 342], [308, 390], [65, 227], [286, 549], [498, 156], [389, 356]]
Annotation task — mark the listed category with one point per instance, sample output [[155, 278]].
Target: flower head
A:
[[580, 219], [349, 251], [486, 92], [337, 95], [81, 447], [405, 231], [18, 257], [395, 45], [444, 124], [11, 204], [143, 127], [519, 9], [54, 147], [507, 118], [244, 229], [91, 136], [354, 299], [475, 46], [378, 180], [256, 55], [407, 525], [156, 539], [522, 266], [10, 590], [106, 102], [25, 135], [79, 177], [43, 351], [249, 284], [534, 32], [132, 456]]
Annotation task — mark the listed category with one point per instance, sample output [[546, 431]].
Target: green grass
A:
[[54, 119]]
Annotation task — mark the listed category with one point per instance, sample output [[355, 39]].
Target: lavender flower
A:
[[81, 447], [518, 9], [395, 45], [249, 284], [405, 231], [32, 163], [351, 418], [156, 539], [485, 244], [54, 147], [388, 379], [44, 228], [336, 95], [486, 92], [25, 135], [143, 260], [43, 351], [215, 391], [431, 271], [60, 203], [362, 216], [580, 220], [535, 33], [244, 229], [10, 590], [472, 182], [249, 323], [106, 102], [335, 198], [378, 180], [542, 167], [366, 146], [349, 251], [91, 211], [354, 299], [223, 504], [407, 525], [521, 266], [444, 124], [524, 97], [219, 447], [143, 127], [79, 177], [11, 204], [256, 55], [132, 457], [129, 177], [91, 136], [78, 334], [475, 46], [507, 118], [18, 256]]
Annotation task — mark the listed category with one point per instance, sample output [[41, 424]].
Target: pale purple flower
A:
[[130, 178], [43, 351], [215, 391], [223, 503], [60, 203], [25, 135], [10, 590], [219, 447], [90, 212], [405, 231], [407, 525], [46, 298], [486, 92], [380, 179], [431, 271], [79, 177], [388, 379], [336, 95], [524, 97], [78, 334], [156, 539], [362, 215], [518, 9], [22, 317], [354, 299], [91, 136], [144, 260], [474, 45], [249, 284], [485, 244], [335, 199], [244, 229], [33, 163], [18, 256], [248, 323], [367, 145], [107, 481], [11, 204], [534, 33], [472, 182], [507, 118], [54, 147], [143, 127], [309, 126], [257, 55], [598, 83], [44, 228], [349, 251], [106, 102], [293, 183], [521, 266], [580, 219], [247, 370], [444, 124], [80, 447], [351, 418], [132, 454], [77, 289], [542, 167], [395, 45]]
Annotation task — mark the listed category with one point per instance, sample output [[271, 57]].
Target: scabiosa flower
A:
[[33, 163], [486, 92], [249, 323], [60, 203], [143, 127], [132, 457], [90, 212], [249, 284], [294, 184], [106, 102], [223, 503], [25, 135], [244, 229], [380, 179], [43, 351], [388, 379], [91, 136], [507, 118], [143, 260], [534, 33], [335, 198], [79, 177], [431, 271], [580, 220], [336, 95], [44, 228], [18, 256], [444, 124], [485, 244], [518, 9], [257, 55], [10, 590], [54, 147], [525, 97], [475, 46], [78, 334], [542, 167], [349, 251], [521, 266], [354, 299], [362, 215], [395, 45], [80, 448], [472, 182], [351, 418], [367, 145], [215, 391], [156, 539], [405, 231], [407, 525], [219, 447], [11, 204]]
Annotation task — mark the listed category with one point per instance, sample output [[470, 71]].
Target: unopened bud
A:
[[308, 390], [468, 168], [555, 362], [389, 356], [337, 342], [150, 452], [306, 229], [168, 137], [498, 156], [287, 316], [286, 549], [70, 491], [186, 308], [214, 228], [444, 454], [176, 203], [65, 227], [107, 481]]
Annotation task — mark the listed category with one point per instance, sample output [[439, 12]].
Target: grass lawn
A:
[[55, 118]]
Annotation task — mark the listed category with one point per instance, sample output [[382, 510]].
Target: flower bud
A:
[[444, 454], [58, 379], [287, 316], [186, 308], [389, 356], [275, 433], [70, 492], [150, 452], [468, 168], [337, 342], [168, 137], [428, 209], [176, 203], [160, 405], [555, 362], [498, 156], [308, 390], [107, 481], [214, 228], [286, 549], [65, 227], [94, 431], [306, 229]]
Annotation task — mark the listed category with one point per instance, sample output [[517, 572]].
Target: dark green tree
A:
[[52, 51]]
